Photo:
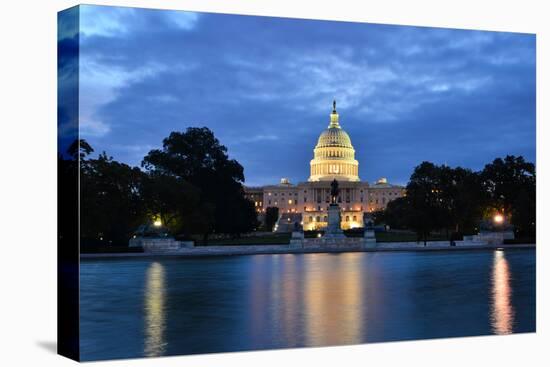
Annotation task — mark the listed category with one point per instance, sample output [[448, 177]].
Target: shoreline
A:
[[286, 249]]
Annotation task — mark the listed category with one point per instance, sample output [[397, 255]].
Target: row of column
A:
[[334, 154], [334, 168]]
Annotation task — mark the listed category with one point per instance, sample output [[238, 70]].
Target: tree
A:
[[271, 217], [426, 199], [467, 200], [110, 197], [460, 196], [198, 158], [524, 212], [79, 148], [172, 199], [440, 197], [397, 214], [510, 184]]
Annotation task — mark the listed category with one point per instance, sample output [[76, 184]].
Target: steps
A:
[[286, 222]]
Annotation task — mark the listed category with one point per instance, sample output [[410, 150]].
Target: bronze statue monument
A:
[[334, 191]]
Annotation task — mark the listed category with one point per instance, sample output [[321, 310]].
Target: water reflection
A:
[[502, 312], [221, 304], [290, 300], [333, 300], [154, 311], [311, 300]]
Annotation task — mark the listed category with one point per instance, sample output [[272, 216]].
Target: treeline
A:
[[190, 186], [459, 200]]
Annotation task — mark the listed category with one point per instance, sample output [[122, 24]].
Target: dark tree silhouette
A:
[[197, 157], [112, 206], [458, 199], [510, 184], [271, 216]]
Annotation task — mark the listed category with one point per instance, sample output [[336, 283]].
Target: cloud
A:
[[99, 86], [113, 21], [257, 138], [265, 87]]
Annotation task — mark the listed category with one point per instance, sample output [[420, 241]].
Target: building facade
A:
[[307, 203]]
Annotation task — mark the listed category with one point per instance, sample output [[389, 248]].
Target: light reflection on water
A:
[[155, 311], [333, 300], [502, 311], [222, 304]]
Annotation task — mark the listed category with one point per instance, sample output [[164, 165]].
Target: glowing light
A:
[[155, 344], [498, 218], [326, 294], [502, 311], [157, 223], [318, 235]]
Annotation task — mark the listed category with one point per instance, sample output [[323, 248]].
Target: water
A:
[[138, 307]]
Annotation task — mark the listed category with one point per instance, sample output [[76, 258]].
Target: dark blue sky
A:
[[265, 87]]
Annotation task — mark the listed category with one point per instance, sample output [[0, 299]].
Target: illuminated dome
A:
[[334, 137], [334, 156]]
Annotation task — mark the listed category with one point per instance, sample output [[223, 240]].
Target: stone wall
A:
[[334, 242], [159, 245]]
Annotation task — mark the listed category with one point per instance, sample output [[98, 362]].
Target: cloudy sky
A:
[[265, 87]]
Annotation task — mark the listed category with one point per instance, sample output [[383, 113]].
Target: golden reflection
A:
[[328, 298], [154, 311], [290, 295], [502, 313], [334, 299]]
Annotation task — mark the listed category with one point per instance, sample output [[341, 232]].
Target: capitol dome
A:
[[334, 137], [334, 156]]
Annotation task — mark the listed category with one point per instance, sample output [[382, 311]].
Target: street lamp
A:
[[498, 218], [157, 223]]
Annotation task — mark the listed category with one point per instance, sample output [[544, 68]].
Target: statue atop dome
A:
[[334, 117]]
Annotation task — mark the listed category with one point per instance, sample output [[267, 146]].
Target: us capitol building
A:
[[307, 203]]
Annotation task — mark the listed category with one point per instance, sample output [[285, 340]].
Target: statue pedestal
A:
[[369, 239], [297, 240], [333, 227]]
